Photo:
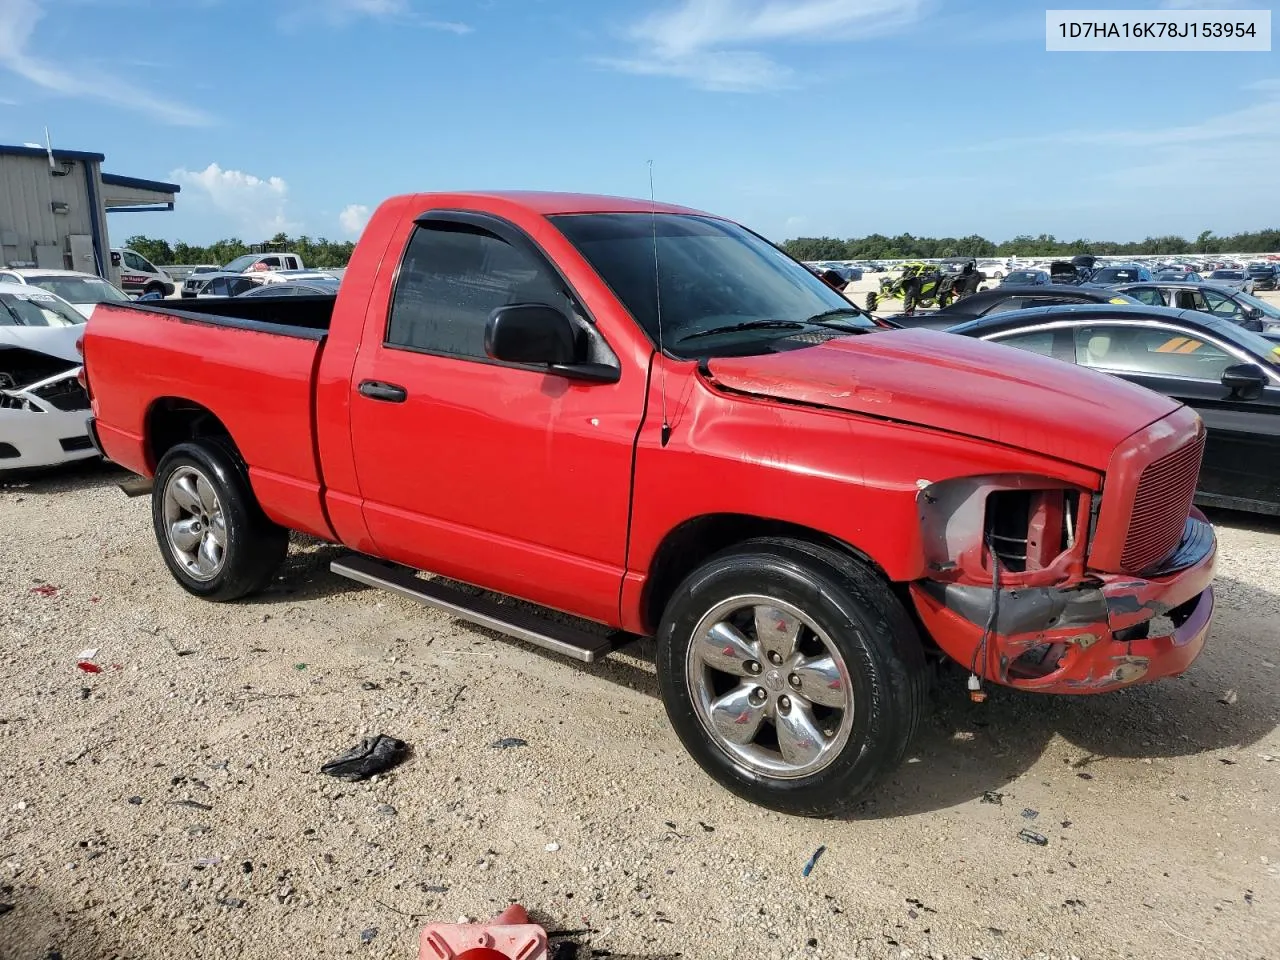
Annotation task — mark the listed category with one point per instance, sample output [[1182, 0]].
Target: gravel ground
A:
[[170, 806]]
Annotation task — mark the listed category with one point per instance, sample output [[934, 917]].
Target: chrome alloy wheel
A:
[[770, 687], [195, 524]]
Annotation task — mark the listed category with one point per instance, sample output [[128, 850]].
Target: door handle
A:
[[388, 392]]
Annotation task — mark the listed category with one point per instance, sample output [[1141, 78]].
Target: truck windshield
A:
[[241, 264], [711, 275]]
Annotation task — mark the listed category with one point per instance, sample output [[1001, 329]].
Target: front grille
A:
[[75, 444], [65, 394], [1161, 506]]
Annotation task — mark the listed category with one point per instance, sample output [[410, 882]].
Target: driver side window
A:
[[1152, 296], [1158, 351]]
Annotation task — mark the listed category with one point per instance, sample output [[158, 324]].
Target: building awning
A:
[[132, 194]]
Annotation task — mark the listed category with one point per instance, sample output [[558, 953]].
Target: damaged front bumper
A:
[[1106, 632]]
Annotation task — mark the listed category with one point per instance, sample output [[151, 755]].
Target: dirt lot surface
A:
[[171, 806]]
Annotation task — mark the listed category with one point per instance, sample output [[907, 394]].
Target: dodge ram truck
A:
[[653, 420]]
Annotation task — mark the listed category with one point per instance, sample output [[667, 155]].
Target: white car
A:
[[994, 269], [44, 411], [140, 276], [84, 291]]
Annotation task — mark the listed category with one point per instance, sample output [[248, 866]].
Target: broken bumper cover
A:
[[1109, 632]]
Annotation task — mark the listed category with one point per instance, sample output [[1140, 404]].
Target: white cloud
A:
[[18, 19], [250, 203], [341, 12], [708, 42], [353, 218]]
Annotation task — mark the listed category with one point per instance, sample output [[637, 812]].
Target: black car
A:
[[1120, 273], [1263, 275], [1007, 297], [1238, 307], [1025, 278], [1228, 375]]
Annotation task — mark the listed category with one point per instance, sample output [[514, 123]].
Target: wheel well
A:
[[173, 420], [689, 545]]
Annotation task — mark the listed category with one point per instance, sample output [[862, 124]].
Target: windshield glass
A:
[[241, 264], [710, 274], [36, 310], [1260, 268], [1116, 275], [81, 289], [1226, 275], [1020, 276], [1268, 309]]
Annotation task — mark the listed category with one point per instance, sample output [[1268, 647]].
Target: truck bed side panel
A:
[[257, 383]]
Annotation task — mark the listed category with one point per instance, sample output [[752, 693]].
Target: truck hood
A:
[[952, 383]]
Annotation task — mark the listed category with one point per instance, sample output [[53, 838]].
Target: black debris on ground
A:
[[991, 796], [506, 743], [373, 755], [1030, 836]]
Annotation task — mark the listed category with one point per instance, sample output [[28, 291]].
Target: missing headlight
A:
[[1029, 529]]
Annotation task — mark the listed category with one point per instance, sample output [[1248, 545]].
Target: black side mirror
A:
[[530, 333], [537, 334], [1246, 381]]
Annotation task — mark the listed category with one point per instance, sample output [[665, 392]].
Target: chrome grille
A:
[[1161, 506]]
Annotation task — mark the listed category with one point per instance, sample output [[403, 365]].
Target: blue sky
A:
[[797, 117]]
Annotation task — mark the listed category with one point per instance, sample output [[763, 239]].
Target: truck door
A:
[[496, 474]]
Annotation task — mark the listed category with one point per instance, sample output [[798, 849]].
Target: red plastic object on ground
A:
[[508, 936]]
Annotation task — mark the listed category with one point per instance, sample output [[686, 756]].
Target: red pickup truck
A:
[[655, 421]]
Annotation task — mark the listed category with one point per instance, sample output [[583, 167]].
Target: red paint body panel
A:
[[260, 386], [1014, 398], [563, 492]]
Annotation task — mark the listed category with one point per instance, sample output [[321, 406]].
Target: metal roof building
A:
[[54, 205]]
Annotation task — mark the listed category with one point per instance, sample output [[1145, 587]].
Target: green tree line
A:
[[907, 247], [315, 251]]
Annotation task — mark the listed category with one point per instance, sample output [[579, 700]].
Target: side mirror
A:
[[530, 333], [1246, 381], [537, 334]]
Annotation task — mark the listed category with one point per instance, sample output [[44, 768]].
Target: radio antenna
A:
[[657, 291]]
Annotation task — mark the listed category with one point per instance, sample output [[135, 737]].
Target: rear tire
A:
[[809, 731], [214, 538], [872, 300]]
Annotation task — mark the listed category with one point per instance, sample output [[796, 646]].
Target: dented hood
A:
[[963, 386], [58, 342]]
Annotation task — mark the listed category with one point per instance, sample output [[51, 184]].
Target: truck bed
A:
[[291, 316], [252, 361]]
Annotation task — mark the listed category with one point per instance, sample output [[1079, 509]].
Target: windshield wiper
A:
[[824, 319], [746, 325]]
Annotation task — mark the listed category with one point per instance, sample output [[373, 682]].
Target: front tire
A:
[[791, 674], [213, 536]]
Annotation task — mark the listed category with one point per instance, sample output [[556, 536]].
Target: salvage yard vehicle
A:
[[1004, 298], [44, 411], [1263, 275], [1228, 375], [250, 264], [922, 285], [138, 275], [653, 420], [84, 291], [1240, 308]]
